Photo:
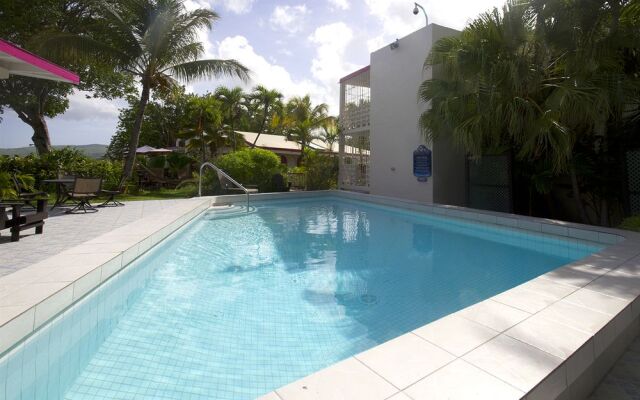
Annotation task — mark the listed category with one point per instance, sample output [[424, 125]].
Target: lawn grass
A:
[[161, 194]]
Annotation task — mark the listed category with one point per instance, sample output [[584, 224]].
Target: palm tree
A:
[[330, 132], [155, 41], [303, 121], [204, 127], [535, 83], [269, 101], [234, 104]]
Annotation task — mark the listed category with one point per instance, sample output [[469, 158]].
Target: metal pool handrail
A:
[[220, 172]]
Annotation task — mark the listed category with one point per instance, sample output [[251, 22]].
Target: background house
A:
[[287, 150]]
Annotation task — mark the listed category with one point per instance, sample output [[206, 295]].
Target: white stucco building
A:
[[379, 111]]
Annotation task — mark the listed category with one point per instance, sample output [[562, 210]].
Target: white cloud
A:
[[340, 4], [234, 6], [83, 108], [289, 19], [238, 6], [331, 42], [396, 19], [329, 63], [376, 42], [270, 74]]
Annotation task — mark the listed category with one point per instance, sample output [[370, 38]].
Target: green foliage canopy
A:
[[252, 166]]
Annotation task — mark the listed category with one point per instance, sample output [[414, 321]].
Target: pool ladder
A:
[[222, 176]]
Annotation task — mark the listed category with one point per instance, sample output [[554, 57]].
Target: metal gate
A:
[[489, 183]]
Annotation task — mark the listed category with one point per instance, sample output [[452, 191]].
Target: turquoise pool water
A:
[[237, 304]]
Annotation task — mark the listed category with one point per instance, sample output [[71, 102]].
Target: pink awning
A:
[[16, 61]]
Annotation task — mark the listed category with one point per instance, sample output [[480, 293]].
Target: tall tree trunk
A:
[[575, 189], [40, 137], [233, 134], [36, 121], [203, 150], [135, 136], [264, 122], [604, 213], [303, 145]]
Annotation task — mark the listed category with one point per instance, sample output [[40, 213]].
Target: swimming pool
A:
[[237, 304]]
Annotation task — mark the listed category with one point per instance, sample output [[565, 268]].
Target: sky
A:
[[298, 47]]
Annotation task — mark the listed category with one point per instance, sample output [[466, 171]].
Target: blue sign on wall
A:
[[422, 163]]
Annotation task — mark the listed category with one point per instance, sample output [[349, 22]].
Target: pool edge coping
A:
[[98, 260], [621, 249]]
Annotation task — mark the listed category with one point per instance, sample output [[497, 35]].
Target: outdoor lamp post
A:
[[417, 6]]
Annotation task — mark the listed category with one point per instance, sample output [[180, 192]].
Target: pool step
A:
[[229, 211]]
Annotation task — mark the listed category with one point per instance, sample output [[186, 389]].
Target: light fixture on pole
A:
[[417, 6]]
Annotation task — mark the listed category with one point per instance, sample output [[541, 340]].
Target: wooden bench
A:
[[20, 222]]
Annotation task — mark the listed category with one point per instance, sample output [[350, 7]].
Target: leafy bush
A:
[[8, 190], [178, 163], [631, 223], [322, 171], [65, 161], [252, 167]]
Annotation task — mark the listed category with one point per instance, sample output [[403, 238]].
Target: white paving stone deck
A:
[[63, 231]]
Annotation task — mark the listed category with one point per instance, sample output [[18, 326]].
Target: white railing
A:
[[225, 175]]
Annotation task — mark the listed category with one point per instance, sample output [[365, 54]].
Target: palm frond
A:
[[209, 68]]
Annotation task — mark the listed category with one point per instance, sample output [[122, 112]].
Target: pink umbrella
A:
[[16, 61]]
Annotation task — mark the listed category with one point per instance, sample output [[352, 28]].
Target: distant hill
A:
[[90, 150]]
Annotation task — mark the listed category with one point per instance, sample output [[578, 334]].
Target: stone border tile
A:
[[405, 360], [455, 334], [517, 363], [348, 379], [446, 383]]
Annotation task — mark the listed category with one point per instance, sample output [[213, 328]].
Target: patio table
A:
[[61, 189]]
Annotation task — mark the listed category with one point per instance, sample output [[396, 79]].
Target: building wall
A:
[[396, 75]]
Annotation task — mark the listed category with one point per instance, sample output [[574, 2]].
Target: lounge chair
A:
[[19, 221], [84, 190]]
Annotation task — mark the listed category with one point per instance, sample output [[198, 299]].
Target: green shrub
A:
[[631, 223], [65, 161], [7, 189], [252, 167], [321, 170], [156, 161], [178, 162]]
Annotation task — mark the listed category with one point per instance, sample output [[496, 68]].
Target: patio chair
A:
[[24, 193], [84, 190], [111, 198]]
